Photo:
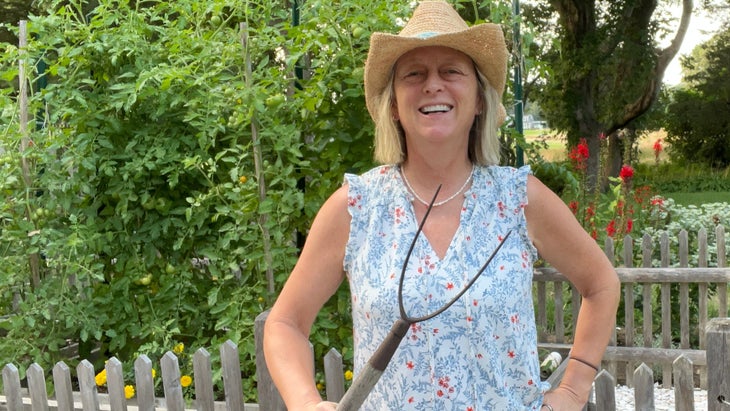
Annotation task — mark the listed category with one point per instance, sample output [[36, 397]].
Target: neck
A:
[[423, 180]]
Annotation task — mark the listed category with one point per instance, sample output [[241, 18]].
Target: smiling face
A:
[[436, 94]]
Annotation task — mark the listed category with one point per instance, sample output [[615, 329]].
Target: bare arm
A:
[[565, 245], [315, 278]]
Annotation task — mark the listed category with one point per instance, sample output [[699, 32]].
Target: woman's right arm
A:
[[315, 278]]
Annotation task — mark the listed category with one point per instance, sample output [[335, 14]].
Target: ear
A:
[[394, 111]]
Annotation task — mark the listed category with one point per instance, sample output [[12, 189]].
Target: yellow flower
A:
[[348, 375], [154, 373], [185, 381], [179, 348], [243, 179], [100, 378], [128, 391], [320, 386]]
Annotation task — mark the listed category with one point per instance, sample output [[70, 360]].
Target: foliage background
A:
[[146, 202]]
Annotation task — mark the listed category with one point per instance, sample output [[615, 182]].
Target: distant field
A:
[[556, 144]]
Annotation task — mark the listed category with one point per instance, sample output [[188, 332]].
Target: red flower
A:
[[658, 147], [573, 207], [629, 225], [626, 173], [579, 154], [590, 212], [611, 228]]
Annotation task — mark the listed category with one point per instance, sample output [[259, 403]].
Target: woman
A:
[[434, 94]]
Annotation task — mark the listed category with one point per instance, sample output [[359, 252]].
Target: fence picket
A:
[[683, 393], [145, 389], [718, 354], [37, 387], [269, 397], [559, 315], [334, 371], [171, 382], [605, 391], [203, 375], [87, 386], [644, 388], [115, 385], [11, 383], [721, 260], [63, 387], [230, 363]]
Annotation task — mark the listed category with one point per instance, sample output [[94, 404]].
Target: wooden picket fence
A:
[[632, 364], [35, 397], [693, 288]]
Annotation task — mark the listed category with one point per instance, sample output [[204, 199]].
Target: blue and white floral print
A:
[[480, 354]]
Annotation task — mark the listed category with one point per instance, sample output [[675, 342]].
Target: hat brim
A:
[[483, 43]]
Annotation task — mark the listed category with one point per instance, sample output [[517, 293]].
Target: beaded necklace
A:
[[442, 202]]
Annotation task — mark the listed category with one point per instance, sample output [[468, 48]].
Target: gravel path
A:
[[663, 399]]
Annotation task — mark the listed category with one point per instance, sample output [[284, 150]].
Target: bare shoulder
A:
[[333, 212], [549, 220]]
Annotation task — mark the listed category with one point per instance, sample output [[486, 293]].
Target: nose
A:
[[433, 83]]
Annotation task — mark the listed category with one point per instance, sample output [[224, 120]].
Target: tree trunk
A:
[[607, 74]]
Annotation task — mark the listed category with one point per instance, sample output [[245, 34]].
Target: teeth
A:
[[438, 108]]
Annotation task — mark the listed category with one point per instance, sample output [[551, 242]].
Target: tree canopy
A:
[[604, 65], [697, 122]]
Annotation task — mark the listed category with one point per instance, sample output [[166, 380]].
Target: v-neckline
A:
[[415, 221]]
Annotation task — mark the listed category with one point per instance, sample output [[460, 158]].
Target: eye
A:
[[453, 72]]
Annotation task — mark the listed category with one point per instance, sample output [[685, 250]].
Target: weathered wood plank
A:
[[644, 388], [63, 387], [269, 397], [115, 385], [37, 388], [11, 385], [145, 385], [87, 386], [718, 354], [334, 371], [683, 384], [605, 390], [559, 317], [644, 354], [231, 365], [203, 374], [652, 275], [174, 400]]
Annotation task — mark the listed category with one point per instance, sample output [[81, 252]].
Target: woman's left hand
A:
[[561, 399]]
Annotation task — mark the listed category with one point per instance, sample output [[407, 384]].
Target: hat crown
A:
[[432, 18]]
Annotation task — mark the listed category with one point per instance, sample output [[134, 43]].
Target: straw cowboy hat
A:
[[436, 23]]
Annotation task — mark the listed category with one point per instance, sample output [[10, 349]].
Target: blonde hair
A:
[[390, 141]]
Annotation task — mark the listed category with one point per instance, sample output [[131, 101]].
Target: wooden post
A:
[[258, 169], [718, 363], [269, 397], [33, 259], [334, 375], [644, 388]]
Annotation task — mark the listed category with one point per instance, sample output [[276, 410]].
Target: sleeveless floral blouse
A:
[[481, 353]]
